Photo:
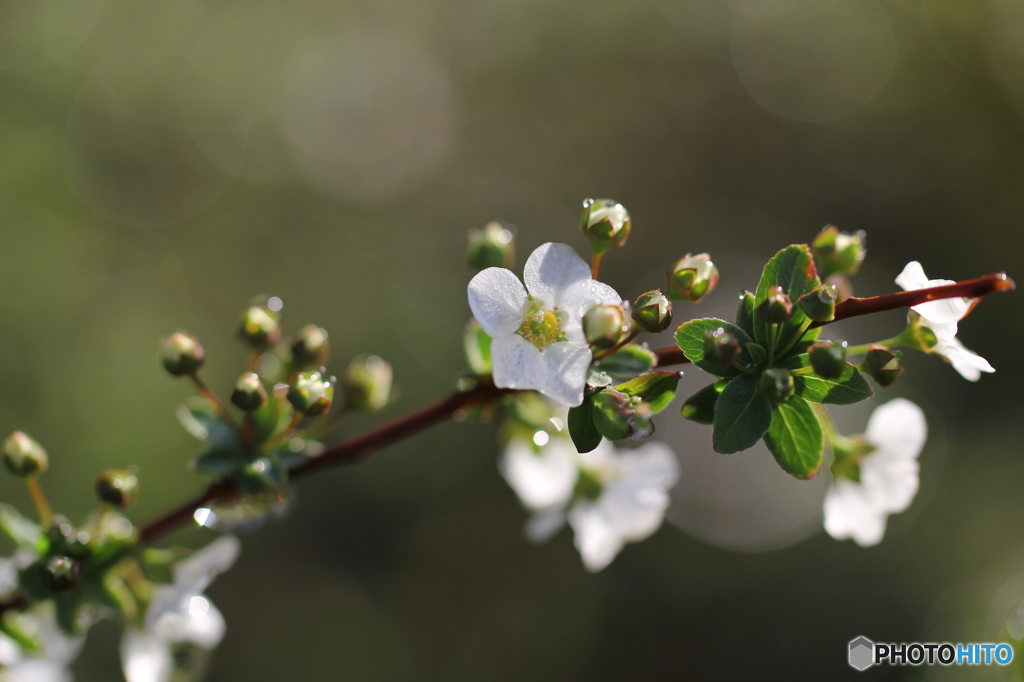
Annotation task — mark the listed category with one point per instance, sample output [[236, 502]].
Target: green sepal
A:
[[629, 361], [795, 439], [10, 625], [742, 416], [757, 353], [110, 552], [609, 413], [690, 339], [477, 346], [116, 596], [271, 419], [851, 386], [582, 430], [200, 419], [700, 407], [793, 269], [745, 313], [66, 605], [25, 532], [656, 388]]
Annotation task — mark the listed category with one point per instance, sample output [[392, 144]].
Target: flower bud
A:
[[491, 247], [603, 325], [310, 348], [367, 384], [777, 308], [721, 347], [839, 252], [918, 334], [820, 303], [260, 326], [828, 359], [844, 288], [652, 312], [182, 354], [117, 487], [311, 394], [605, 223], [249, 394], [882, 365], [24, 456], [777, 385], [692, 278], [59, 573]]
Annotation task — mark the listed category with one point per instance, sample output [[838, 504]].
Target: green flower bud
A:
[[777, 308], [828, 359], [652, 312], [777, 385], [839, 252], [820, 303], [117, 487], [603, 325], [918, 335], [24, 456], [477, 346], [721, 347], [367, 384], [249, 394], [310, 348], [182, 354], [491, 247], [692, 278], [605, 223], [59, 573], [260, 326], [311, 394], [882, 365]]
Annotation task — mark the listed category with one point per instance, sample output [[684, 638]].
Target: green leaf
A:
[[656, 388], [611, 414], [200, 419], [757, 353], [584, 434], [792, 268], [598, 379], [273, 418], [690, 339], [700, 407], [742, 415], [23, 531], [745, 313], [851, 387], [796, 439], [218, 462], [627, 362]]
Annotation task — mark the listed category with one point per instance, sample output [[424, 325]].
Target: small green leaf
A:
[[627, 362], [584, 434], [598, 379], [23, 531], [742, 415], [656, 388], [796, 439], [218, 462], [690, 339], [745, 313], [851, 387], [700, 407], [792, 268], [611, 414], [757, 353], [201, 420]]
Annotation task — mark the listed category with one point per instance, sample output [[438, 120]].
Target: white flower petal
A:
[[897, 429], [596, 540], [145, 657], [653, 464], [198, 621], [36, 670], [194, 574], [567, 366], [603, 457], [584, 294], [543, 524], [633, 511], [552, 268], [943, 311], [543, 479], [849, 515], [912, 277], [967, 362], [498, 301], [518, 363], [889, 484]]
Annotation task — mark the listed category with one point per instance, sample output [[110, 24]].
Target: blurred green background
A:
[[161, 162]]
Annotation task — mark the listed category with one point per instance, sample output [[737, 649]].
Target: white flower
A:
[[613, 496], [537, 335], [888, 475], [179, 613], [941, 317]]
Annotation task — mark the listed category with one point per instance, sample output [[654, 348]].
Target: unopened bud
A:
[[260, 326], [603, 325], [491, 247], [721, 347], [918, 334], [882, 365], [59, 573], [820, 303], [367, 384], [777, 385], [249, 394], [117, 487], [182, 354], [24, 456], [311, 394], [839, 252], [777, 308], [828, 359], [605, 223], [310, 348], [652, 312], [692, 278]]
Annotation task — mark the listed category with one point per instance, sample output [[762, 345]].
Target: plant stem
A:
[[595, 265], [39, 500]]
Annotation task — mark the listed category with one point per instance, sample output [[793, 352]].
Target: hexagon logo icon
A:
[[862, 653]]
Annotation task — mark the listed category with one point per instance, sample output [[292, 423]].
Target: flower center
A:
[[541, 327]]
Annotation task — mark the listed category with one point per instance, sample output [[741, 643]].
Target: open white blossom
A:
[[941, 317], [888, 475], [609, 496], [536, 331], [179, 614]]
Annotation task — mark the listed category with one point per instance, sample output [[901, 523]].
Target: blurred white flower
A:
[[609, 496], [941, 317], [536, 331], [896, 433], [179, 614]]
